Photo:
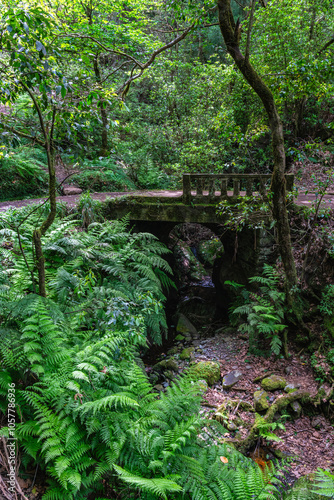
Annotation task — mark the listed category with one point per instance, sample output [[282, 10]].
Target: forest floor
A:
[[307, 441]]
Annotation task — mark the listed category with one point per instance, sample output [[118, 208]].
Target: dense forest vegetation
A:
[[129, 95]]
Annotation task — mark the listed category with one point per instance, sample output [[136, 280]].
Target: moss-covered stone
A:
[[187, 353], [210, 250], [273, 383], [166, 364], [179, 338], [290, 388], [260, 401], [185, 327], [207, 370]]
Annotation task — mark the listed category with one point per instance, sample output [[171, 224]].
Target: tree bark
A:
[[103, 111], [231, 32]]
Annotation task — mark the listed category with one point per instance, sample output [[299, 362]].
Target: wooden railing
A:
[[211, 188]]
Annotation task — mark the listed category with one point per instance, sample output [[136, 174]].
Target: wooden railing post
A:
[[186, 189]]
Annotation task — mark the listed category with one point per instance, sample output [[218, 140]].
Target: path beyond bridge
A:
[[195, 203]]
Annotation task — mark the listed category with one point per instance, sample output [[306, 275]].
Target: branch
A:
[[326, 45], [100, 44], [114, 71], [152, 58], [22, 134]]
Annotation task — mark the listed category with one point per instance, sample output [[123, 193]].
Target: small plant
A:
[[89, 209], [264, 313]]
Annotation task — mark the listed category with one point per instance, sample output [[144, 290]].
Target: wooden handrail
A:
[[203, 188]]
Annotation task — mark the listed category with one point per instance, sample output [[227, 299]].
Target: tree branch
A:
[[148, 63], [326, 45], [22, 134]]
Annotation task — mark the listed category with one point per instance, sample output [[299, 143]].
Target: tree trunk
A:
[[103, 111], [231, 32]]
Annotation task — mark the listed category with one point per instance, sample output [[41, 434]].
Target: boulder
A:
[[210, 250], [187, 353], [207, 370], [260, 401], [273, 383], [185, 327], [290, 388], [296, 409], [231, 378], [71, 190], [166, 364], [187, 266]]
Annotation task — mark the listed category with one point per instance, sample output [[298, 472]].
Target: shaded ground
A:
[[308, 440]]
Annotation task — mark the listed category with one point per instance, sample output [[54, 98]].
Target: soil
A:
[[307, 442]]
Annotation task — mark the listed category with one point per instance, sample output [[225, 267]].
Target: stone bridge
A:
[[196, 203]]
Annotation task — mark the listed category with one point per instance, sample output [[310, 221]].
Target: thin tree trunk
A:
[[231, 32], [103, 111]]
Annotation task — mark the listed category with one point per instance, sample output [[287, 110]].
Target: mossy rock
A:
[[273, 383], [210, 250], [185, 327], [207, 370], [166, 364], [260, 401], [187, 353], [179, 338]]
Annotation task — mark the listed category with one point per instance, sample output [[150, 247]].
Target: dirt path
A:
[[302, 200]]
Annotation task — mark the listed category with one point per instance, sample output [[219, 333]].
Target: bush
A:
[[102, 175], [22, 172]]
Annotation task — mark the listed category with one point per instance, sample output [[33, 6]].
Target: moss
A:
[[261, 401], [187, 352], [273, 383], [207, 370]]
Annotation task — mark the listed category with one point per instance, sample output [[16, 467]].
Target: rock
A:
[[185, 327], [70, 190], [153, 378], [231, 426], [296, 409], [260, 401], [290, 388], [173, 350], [166, 364], [188, 267], [207, 370], [317, 422], [179, 338], [273, 383], [231, 378], [159, 387], [187, 353], [288, 370], [169, 374], [210, 250]]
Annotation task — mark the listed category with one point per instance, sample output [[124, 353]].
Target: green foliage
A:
[[263, 311], [89, 417], [324, 483], [245, 212], [102, 175], [22, 172]]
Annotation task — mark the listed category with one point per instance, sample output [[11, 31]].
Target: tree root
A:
[[281, 402]]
